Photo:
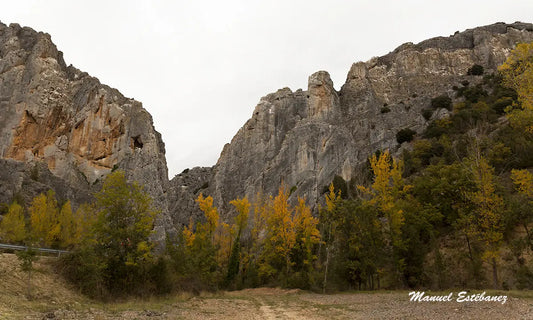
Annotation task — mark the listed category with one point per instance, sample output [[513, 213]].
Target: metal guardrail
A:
[[22, 248]]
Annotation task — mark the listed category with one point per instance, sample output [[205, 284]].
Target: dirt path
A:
[[271, 309]]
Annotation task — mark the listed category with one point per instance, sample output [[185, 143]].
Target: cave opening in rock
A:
[[136, 142]]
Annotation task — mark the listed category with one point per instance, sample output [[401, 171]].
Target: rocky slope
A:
[[305, 138], [62, 129]]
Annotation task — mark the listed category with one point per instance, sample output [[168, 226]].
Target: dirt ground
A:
[[52, 298]]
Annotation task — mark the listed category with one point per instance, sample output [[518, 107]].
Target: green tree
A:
[[523, 180], [359, 239], [241, 220], [443, 186], [124, 223], [27, 258]]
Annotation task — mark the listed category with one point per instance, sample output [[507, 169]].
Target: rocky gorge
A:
[[62, 129]]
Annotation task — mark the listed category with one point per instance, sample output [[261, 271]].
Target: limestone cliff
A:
[[305, 138], [81, 130], [62, 129]]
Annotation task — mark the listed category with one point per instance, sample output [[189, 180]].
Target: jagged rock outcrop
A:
[[305, 138], [184, 188], [81, 130]]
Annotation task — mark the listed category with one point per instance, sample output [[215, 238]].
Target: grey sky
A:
[[200, 67]]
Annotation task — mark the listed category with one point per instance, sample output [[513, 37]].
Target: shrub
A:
[[437, 128], [385, 110], [86, 269], [475, 70], [502, 103], [472, 94], [524, 278], [405, 135], [292, 190], [339, 184], [442, 102], [34, 173], [427, 113]]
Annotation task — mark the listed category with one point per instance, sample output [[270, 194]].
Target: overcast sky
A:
[[200, 67]]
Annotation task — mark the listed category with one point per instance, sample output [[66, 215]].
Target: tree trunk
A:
[[495, 274], [326, 271], [469, 248]]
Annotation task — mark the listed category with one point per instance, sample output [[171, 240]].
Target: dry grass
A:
[[55, 299]]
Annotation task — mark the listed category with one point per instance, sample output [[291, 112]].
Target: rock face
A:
[[80, 129], [62, 129], [305, 138], [182, 192]]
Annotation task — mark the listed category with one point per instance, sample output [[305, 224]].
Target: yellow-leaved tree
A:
[[523, 179], [328, 230], [241, 221], [45, 228], [243, 211], [280, 227], [13, 227], [202, 242], [307, 234], [68, 226], [386, 190], [517, 72], [84, 220], [487, 212], [211, 215], [386, 194], [280, 237]]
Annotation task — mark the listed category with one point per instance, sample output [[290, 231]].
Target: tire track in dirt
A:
[[271, 312]]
